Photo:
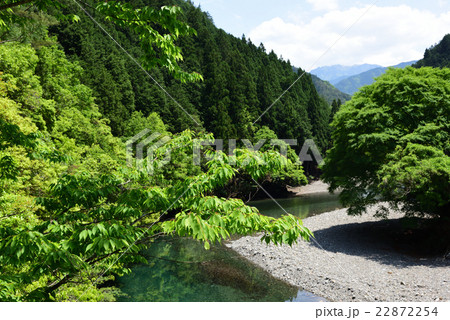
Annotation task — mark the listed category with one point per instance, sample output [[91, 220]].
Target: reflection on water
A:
[[179, 269], [301, 206]]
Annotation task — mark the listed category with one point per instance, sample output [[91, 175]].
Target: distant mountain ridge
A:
[[352, 84], [336, 73], [326, 90]]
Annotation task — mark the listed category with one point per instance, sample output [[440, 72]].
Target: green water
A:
[[301, 206], [181, 270]]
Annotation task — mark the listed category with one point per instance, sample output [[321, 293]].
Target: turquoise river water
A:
[[180, 269]]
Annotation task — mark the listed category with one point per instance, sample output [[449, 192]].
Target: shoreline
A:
[[313, 187], [351, 259]]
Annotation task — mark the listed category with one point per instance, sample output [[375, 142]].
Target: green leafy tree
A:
[[138, 122], [277, 182], [292, 174], [91, 226], [46, 89], [158, 29], [11, 135], [391, 143], [152, 30], [92, 216]]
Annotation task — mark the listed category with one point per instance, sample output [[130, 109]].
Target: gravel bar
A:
[[351, 260], [313, 187]]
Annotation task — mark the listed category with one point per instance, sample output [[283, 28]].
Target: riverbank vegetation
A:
[[391, 143], [72, 214]]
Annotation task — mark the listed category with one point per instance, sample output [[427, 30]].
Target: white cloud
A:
[[384, 35], [324, 5]]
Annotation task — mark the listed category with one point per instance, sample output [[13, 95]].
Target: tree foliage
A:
[[438, 56], [88, 222], [72, 215], [157, 28], [391, 143], [241, 81], [277, 182], [49, 126]]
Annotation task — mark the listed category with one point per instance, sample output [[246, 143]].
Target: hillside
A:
[[336, 73], [352, 84], [437, 56], [329, 92], [241, 81], [326, 90]]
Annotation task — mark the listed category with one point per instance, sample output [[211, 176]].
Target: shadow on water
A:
[[179, 269]]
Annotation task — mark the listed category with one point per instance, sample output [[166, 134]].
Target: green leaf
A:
[[83, 235], [89, 247]]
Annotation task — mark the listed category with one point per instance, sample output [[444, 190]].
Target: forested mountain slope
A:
[[437, 56], [328, 91], [241, 81]]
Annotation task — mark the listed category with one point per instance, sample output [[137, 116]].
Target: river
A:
[[179, 269]]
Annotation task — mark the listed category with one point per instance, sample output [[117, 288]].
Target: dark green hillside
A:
[[241, 80], [437, 56]]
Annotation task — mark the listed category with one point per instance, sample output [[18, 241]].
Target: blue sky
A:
[[312, 33]]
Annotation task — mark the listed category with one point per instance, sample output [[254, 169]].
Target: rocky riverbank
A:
[[352, 259], [313, 187]]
